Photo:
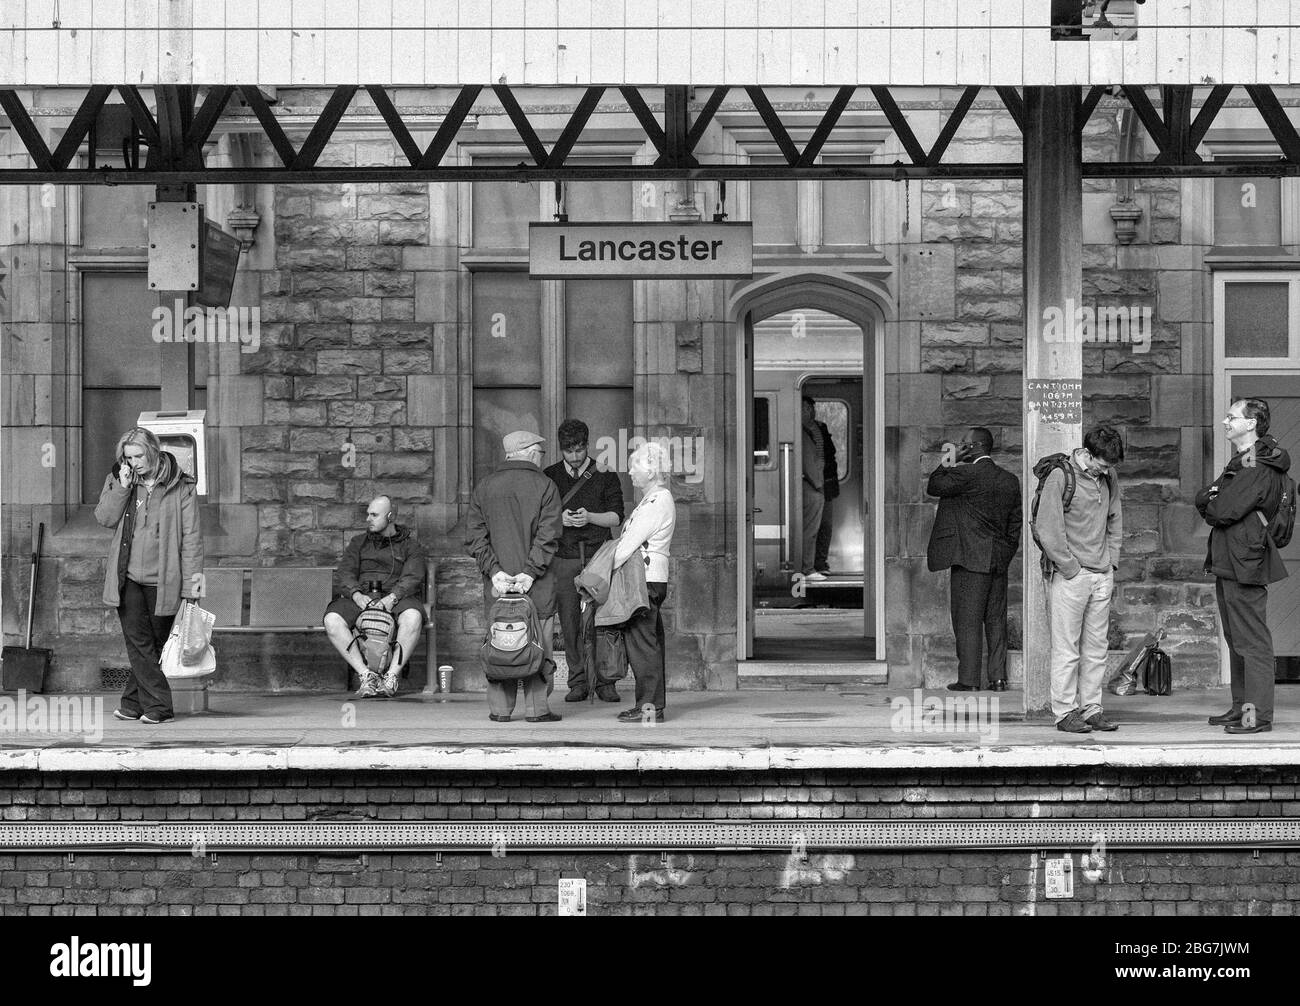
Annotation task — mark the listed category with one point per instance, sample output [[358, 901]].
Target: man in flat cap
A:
[[514, 528]]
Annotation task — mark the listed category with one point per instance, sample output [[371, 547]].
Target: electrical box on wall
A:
[[175, 245], [182, 435]]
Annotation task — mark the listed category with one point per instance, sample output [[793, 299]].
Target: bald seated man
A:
[[383, 566]]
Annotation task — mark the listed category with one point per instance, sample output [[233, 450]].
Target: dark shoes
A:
[[957, 686], [1074, 723], [998, 686], [548, 718], [498, 719], [633, 715], [119, 714], [1237, 728], [577, 695], [1099, 722], [607, 693], [1232, 716]]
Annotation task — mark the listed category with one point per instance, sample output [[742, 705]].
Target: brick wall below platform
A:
[[971, 882]]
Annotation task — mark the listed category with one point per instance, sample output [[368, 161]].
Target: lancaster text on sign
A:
[[619, 250]]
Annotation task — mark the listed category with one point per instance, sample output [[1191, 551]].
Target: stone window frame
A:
[[1290, 362], [745, 137], [610, 144], [1198, 194]]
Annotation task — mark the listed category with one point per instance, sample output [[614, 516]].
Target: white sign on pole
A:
[[573, 896], [626, 250], [1060, 877]]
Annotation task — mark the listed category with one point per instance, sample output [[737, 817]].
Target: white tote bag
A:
[[191, 625]]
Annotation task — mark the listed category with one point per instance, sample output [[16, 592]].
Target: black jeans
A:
[[1243, 610], [645, 649], [569, 607], [147, 691], [821, 562], [978, 605]]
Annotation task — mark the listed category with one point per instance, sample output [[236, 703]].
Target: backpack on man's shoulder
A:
[[512, 647], [1044, 467], [1282, 526]]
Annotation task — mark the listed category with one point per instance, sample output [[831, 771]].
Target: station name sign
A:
[[618, 250]]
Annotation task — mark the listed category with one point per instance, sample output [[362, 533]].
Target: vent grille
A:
[[113, 679]]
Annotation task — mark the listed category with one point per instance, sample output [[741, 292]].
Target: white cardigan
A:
[[651, 524]]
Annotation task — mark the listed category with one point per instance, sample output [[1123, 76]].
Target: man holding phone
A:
[[592, 504], [976, 534]]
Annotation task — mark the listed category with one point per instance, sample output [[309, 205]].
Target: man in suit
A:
[[976, 534]]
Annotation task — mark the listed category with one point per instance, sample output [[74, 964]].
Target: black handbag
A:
[[1158, 674]]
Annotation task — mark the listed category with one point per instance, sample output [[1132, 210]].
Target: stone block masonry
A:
[[826, 882]]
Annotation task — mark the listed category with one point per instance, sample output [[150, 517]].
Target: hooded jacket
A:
[[180, 539], [397, 559], [1240, 546]]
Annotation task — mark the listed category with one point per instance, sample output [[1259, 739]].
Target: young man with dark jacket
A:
[[593, 508], [383, 566], [1238, 506]]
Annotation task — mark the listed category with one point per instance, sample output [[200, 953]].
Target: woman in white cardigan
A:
[[646, 538]]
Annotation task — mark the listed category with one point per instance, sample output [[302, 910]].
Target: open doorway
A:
[[811, 601]]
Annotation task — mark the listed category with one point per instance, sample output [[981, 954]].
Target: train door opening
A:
[[811, 596]]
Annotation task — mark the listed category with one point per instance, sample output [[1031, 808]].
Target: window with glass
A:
[[546, 350], [121, 366], [1257, 317], [817, 215]]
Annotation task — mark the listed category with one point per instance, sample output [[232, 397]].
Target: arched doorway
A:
[[819, 336]]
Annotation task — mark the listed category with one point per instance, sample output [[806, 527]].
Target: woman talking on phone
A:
[[156, 560]]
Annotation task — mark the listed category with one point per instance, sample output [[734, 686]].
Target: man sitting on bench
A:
[[383, 567]]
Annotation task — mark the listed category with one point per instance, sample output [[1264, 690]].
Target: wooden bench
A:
[[283, 599]]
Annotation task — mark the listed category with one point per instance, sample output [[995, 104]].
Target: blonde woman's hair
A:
[[163, 465], [654, 457]]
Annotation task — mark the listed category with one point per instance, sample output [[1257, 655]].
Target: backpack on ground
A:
[[376, 630], [512, 647], [1043, 468], [1281, 527]]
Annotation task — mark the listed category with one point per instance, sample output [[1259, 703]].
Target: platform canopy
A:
[[1012, 43]]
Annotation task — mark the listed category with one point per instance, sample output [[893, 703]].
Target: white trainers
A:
[[369, 685], [389, 686], [814, 575]]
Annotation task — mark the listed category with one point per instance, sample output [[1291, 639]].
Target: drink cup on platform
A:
[[444, 682]]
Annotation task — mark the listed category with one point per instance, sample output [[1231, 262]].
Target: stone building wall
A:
[[362, 384]]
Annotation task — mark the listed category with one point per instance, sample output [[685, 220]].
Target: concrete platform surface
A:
[[872, 728]]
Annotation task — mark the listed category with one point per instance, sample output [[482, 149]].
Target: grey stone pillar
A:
[[1053, 372]]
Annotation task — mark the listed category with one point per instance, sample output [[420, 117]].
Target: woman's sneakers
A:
[[153, 721]]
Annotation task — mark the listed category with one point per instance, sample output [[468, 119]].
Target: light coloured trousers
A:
[[1079, 611], [813, 503]]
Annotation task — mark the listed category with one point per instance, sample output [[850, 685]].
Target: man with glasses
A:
[[976, 533], [514, 529], [1083, 544], [1238, 506]]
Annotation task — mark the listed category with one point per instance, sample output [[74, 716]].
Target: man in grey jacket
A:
[[514, 530], [1083, 544]]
